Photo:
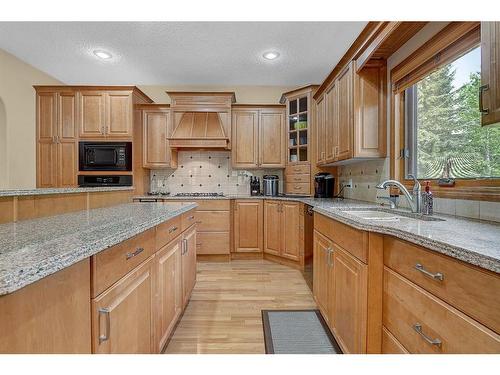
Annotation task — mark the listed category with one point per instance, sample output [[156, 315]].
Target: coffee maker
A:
[[323, 185], [254, 186]]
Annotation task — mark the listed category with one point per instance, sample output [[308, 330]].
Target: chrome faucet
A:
[[414, 199]]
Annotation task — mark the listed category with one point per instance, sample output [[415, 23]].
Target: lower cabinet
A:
[[347, 305], [188, 260], [340, 290], [168, 291], [122, 315], [282, 229], [248, 226]]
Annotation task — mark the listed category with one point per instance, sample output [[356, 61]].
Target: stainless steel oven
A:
[[105, 156]]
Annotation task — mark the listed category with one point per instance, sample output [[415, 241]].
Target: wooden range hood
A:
[[201, 120]]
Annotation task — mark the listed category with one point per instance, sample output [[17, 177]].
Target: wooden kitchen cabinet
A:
[[188, 261], [321, 271], [282, 230], [272, 227], [57, 139], [105, 114], [168, 292], [490, 73], [351, 115], [258, 136], [156, 149], [347, 306], [245, 136], [248, 226], [122, 315], [290, 230], [271, 138]]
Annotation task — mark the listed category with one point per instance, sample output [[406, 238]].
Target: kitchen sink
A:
[[380, 214]]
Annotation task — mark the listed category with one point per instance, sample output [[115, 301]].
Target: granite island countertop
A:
[[473, 241], [36, 248], [49, 191]]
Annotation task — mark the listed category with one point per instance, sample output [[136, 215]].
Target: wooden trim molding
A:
[[445, 46]]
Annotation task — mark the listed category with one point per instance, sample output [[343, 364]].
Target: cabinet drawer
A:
[[298, 169], [188, 219], [408, 308], [110, 265], [353, 240], [292, 178], [212, 243], [208, 204], [390, 345], [166, 232], [213, 221], [298, 188], [469, 289]]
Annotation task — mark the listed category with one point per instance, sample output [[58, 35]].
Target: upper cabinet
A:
[[258, 136], [300, 149], [156, 151], [351, 115], [489, 99], [56, 139], [105, 114]]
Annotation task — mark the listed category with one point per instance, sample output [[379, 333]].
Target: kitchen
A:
[[337, 213]]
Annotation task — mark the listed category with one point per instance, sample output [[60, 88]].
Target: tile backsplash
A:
[[206, 172], [367, 174]]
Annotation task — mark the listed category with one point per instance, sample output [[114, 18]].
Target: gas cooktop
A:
[[199, 194]]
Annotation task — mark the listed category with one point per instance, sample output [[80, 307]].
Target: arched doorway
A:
[[3, 146]]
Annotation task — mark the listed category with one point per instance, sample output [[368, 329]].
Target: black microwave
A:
[[105, 156]]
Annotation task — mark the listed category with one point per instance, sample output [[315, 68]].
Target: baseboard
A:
[[213, 257], [284, 261], [246, 256]]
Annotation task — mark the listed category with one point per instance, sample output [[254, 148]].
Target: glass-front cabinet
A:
[[299, 140]]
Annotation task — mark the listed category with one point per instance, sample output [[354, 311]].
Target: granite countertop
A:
[[33, 249], [48, 191], [472, 241]]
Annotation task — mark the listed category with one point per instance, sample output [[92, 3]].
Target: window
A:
[[443, 133]]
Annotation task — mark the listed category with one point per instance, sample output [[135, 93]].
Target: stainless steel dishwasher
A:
[[308, 245]]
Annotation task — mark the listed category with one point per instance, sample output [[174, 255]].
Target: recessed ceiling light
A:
[[103, 54], [271, 55]]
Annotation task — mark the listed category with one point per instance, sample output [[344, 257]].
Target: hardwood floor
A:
[[224, 313]]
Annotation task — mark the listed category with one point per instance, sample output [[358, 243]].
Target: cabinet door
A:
[[290, 230], [188, 264], [272, 226], [245, 139], [348, 317], [272, 139], [331, 123], [122, 315], [92, 108], [321, 246], [490, 72], [156, 153], [67, 142], [345, 112], [119, 114], [168, 292], [46, 171], [320, 131], [248, 226]]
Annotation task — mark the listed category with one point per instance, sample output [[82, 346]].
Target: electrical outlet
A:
[[347, 184]]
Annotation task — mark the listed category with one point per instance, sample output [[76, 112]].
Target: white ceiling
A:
[[181, 53]]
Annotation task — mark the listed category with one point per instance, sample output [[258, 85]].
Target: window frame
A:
[[446, 46]]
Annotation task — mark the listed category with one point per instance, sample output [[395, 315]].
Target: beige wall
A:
[[244, 94], [17, 122]]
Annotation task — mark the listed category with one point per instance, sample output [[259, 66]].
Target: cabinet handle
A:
[[102, 129], [329, 257], [172, 230], [418, 328], [185, 243], [104, 311], [483, 110], [297, 187], [136, 252], [436, 276]]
